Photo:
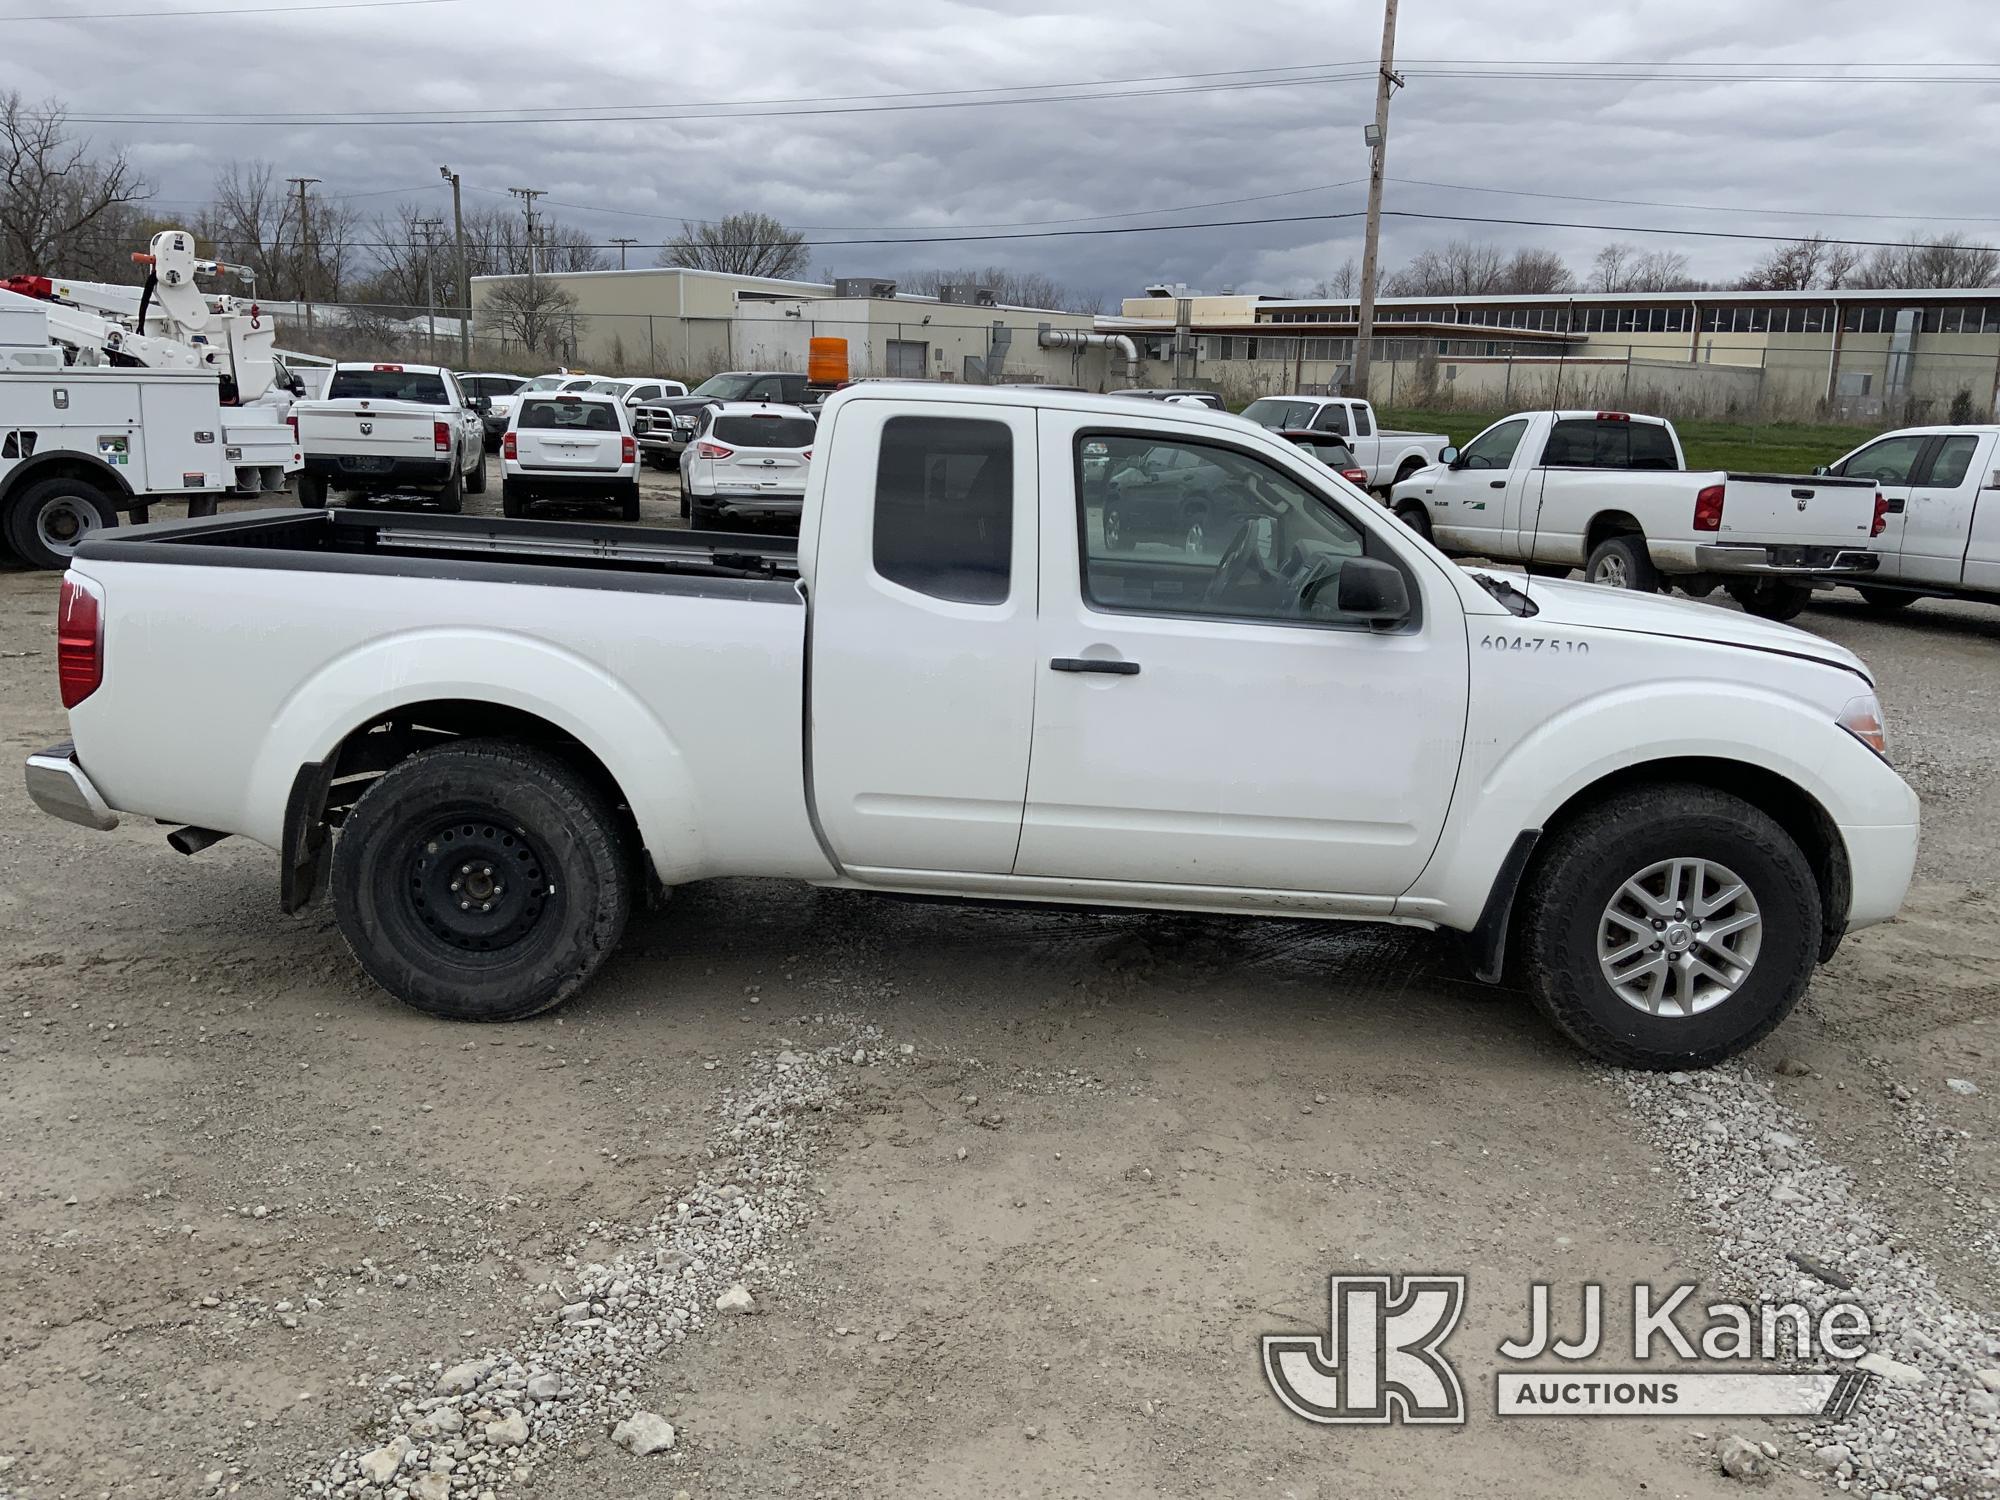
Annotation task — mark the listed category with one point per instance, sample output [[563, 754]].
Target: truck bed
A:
[[475, 548]]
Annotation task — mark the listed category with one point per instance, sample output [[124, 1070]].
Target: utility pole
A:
[[528, 197], [429, 228], [1377, 136], [622, 243], [464, 271], [305, 240]]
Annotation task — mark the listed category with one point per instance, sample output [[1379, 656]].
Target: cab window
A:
[[1179, 527], [1888, 461]]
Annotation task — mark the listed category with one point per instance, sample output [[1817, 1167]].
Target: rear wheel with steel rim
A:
[[1621, 562], [1669, 926], [1114, 529], [484, 880], [49, 520]]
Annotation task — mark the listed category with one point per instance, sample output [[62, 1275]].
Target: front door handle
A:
[[1496, 484], [1091, 664]]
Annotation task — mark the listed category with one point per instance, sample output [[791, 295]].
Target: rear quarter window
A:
[[944, 507], [1581, 443]]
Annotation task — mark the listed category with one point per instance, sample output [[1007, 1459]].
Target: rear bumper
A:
[[557, 482], [61, 788], [356, 473], [1755, 559], [748, 503]]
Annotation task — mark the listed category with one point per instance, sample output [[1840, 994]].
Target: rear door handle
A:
[[1091, 664]]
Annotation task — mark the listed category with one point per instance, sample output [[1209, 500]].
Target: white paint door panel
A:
[[923, 636], [1241, 753]]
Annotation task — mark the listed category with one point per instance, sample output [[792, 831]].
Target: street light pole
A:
[[1377, 136]]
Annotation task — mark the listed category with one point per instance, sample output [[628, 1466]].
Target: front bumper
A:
[[1881, 861], [61, 788], [1783, 562]]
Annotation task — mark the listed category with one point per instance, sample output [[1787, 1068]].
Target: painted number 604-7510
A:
[[1533, 643]]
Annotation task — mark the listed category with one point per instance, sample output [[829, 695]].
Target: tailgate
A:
[[1796, 508], [568, 448], [370, 431]]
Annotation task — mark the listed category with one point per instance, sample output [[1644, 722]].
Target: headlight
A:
[[1862, 718]]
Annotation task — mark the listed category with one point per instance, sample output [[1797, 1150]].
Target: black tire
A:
[[1581, 867], [1621, 562], [312, 491], [1410, 466], [1887, 599], [628, 503], [1114, 529], [1549, 570], [513, 499], [47, 521], [451, 499], [1414, 516], [472, 812], [1770, 600], [475, 482]]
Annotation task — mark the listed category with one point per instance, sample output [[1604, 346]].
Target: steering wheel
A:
[[1238, 565]]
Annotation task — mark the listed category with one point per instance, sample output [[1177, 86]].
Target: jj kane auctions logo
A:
[[1382, 1357]]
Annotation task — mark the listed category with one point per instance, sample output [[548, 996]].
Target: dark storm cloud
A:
[[1917, 151]]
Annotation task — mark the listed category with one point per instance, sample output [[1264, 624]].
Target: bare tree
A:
[[253, 220], [746, 244], [1344, 282], [1531, 271], [56, 198], [1019, 288], [532, 311], [1625, 268], [1463, 268], [1948, 261]]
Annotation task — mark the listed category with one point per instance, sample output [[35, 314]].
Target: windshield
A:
[[727, 387], [545, 382], [423, 386], [1273, 412], [608, 387]]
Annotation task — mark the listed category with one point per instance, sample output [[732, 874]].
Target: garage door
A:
[[908, 359]]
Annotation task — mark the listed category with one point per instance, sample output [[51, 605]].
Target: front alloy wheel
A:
[[1679, 937]]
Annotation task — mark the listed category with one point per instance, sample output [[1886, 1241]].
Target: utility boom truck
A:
[[113, 397]]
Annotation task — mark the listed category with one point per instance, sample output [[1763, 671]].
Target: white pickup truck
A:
[[1388, 457], [1609, 492], [392, 429], [1941, 492], [488, 735]]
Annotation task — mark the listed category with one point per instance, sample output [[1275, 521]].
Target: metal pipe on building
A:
[[1077, 338]]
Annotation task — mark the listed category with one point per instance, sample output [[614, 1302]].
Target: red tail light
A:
[[1708, 509], [628, 450], [79, 640], [1355, 476], [293, 423], [712, 450], [1881, 514], [808, 453], [509, 448], [441, 436]]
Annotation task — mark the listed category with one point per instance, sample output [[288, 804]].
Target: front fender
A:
[[499, 667], [1506, 789]]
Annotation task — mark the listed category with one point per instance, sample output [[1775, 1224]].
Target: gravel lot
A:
[[995, 1203]]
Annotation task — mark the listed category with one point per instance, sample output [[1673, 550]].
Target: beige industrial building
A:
[[1863, 355], [690, 324]]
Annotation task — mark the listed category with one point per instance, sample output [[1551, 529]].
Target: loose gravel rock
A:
[[1772, 1203]]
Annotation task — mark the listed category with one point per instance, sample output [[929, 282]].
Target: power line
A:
[[1135, 213], [1716, 208], [1094, 94], [246, 10]]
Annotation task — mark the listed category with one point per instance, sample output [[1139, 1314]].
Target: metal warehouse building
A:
[[1863, 355], [692, 323]]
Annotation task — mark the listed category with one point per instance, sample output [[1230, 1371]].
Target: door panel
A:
[[1283, 753], [1938, 515], [1890, 462], [1475, 493], [923, 637]]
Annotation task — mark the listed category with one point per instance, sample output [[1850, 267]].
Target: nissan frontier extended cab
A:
[[488, 735]]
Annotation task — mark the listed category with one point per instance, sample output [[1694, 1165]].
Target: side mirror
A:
[[297, 386], [1448, 457], [1821, 469], [482, 404], [1373, 590]]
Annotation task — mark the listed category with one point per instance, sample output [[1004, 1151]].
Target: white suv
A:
[[747, 459], [569, 446]]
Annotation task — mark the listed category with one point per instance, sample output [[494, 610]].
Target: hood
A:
[[1595, 607], [679, 405]]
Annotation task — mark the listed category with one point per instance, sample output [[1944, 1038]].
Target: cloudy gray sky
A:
[[1918, 153]]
